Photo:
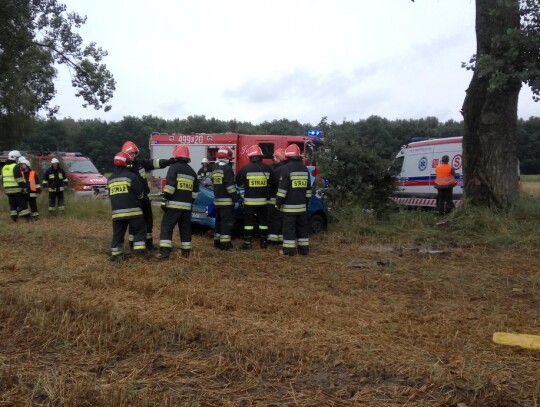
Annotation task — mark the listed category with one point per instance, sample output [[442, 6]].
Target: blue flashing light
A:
[[156, 142], [316, 133]]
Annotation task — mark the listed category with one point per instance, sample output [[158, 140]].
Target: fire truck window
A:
[[211, 153], [300, 146], [267, 149]]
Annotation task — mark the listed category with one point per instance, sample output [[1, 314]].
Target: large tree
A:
[[35, 37], [507, 55]]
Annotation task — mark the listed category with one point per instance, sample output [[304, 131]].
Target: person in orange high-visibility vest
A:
[[32, 186], [445, 183]]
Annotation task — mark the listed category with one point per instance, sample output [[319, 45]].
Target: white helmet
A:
[[13, 155], [55, 161], [204, 160], [23, 160]]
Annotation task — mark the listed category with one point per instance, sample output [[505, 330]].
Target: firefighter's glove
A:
[[237, 205]]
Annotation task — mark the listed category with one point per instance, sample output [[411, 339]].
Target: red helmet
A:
[[122, 159], [130, 147], [224, 152], [181, 151], [254, 151], [292, 151], [280, 154]]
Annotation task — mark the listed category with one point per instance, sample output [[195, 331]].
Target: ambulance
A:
[[415, 166]]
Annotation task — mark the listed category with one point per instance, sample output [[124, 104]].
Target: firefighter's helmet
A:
[[292, 151], [225, 152], [13, 155], [23, 160], [254, 151], [204, 160], [181, 151], [130, 147], [55, 161], [280, 154], [122, 159]]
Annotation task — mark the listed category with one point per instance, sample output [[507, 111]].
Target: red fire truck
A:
[[204, 145]]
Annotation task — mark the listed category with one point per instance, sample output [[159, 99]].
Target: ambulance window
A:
[[267, 149], [397, 165]]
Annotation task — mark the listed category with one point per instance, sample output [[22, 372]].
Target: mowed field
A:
[[357, 322]]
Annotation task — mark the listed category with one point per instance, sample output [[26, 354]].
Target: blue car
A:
[[203, 212]]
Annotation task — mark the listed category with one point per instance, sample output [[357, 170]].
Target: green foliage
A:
[[34, 36], [356, 172], [514, 54], [466, 226]]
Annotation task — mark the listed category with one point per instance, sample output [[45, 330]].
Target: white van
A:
[[416, 163]]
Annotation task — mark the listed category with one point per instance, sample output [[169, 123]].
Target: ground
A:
[[357, 322]]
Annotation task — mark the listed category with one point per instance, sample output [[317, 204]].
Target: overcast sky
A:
[[256, 60]]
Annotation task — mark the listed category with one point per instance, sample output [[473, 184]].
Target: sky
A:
[[264, 60]]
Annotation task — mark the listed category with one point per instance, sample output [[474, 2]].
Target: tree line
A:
[[100, 140]]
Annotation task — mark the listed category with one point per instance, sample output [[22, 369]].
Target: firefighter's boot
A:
[[149, 244], [131, 245], [288, 252], [217, 244], [226, 247], [186, 253], [247, 244], [164, 253], [14, 218], [303, 250], [264, 243]]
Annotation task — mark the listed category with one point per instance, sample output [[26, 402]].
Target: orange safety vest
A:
[[445, 178], [32, 180]]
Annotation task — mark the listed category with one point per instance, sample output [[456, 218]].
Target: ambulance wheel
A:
[[317, 223]]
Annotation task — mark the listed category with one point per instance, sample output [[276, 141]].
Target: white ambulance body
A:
[[417, 161]]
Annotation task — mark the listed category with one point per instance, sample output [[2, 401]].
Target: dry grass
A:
[[532, 188], [257, 329]]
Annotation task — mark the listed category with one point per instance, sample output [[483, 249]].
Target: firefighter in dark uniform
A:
[[225, 197], [125, 192], [294, 192], [258, 180], [15, 188], [179, 193], [275, 218], [32, 186], [139, 167], [55, 179]]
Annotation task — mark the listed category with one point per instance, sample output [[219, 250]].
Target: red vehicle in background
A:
[[84, 178], [202, 145]]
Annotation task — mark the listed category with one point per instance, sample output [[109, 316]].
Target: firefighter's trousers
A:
[[18, 205], [295, 233], [119, 230], [171, 218], [32, 202], [275, 224], [224, 224], [148, 217], [255, 214], [56, 198]]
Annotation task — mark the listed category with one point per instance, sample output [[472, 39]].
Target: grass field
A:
[[366, 319]]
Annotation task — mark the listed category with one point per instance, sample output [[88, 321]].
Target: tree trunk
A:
[[490, 161]]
